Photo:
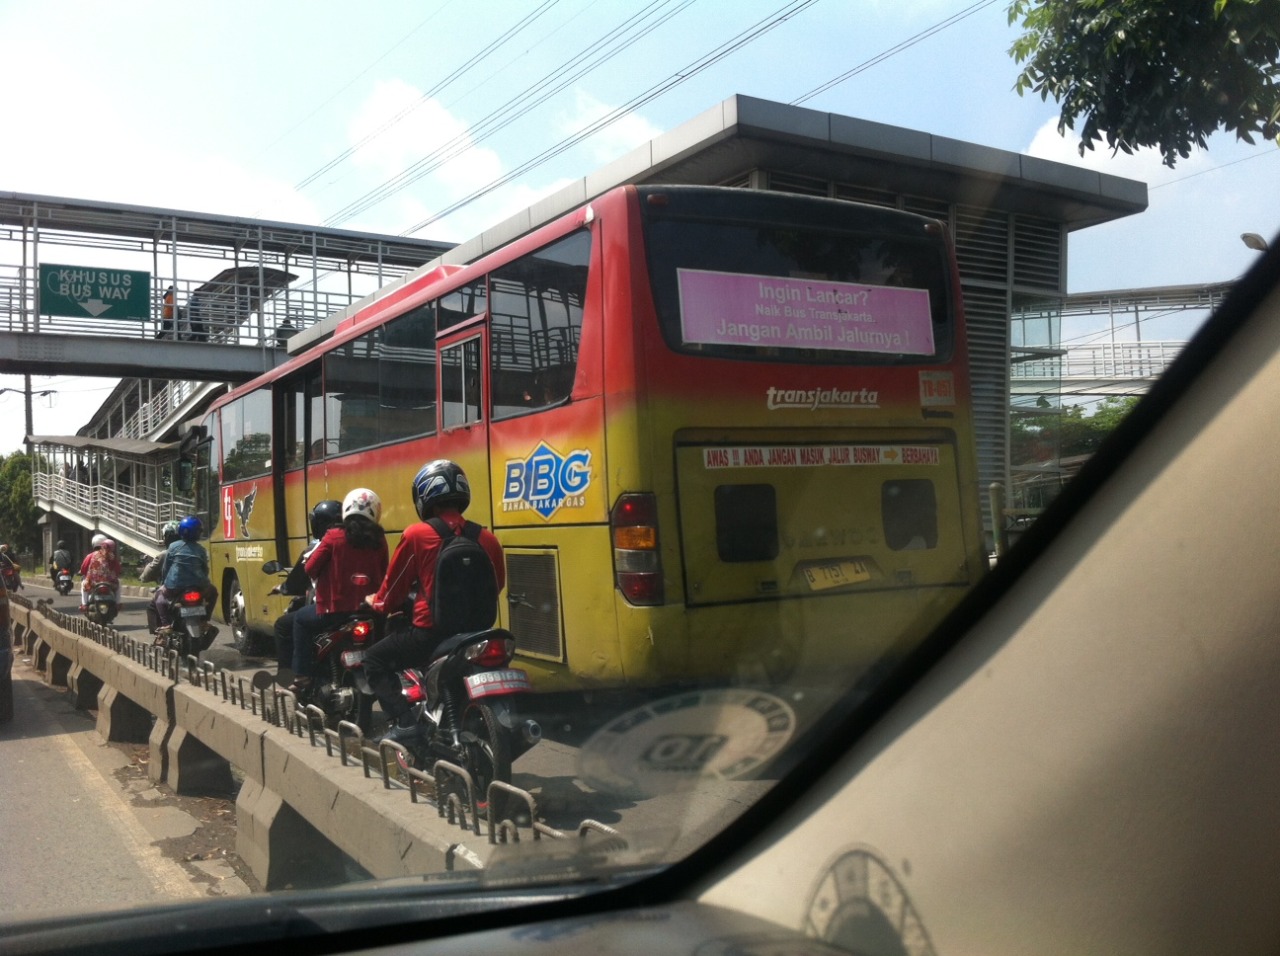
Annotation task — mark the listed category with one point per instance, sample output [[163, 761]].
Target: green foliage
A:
[[1068, 434], [1153, 73], [18, 513]]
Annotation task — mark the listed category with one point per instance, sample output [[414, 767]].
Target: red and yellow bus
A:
[[710, 426]]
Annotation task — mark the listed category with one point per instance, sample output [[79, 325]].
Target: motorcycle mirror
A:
[[271, 567]]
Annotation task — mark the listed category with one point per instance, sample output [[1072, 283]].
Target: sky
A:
[[309, 111]]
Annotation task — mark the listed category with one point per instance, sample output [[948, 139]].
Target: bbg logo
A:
[[547, 481]]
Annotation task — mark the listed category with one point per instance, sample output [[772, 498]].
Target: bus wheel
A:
[[238, 618]]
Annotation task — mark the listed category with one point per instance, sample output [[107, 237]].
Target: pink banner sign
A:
[[724, 308]]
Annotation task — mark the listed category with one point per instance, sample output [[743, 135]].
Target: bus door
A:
[[463, 432], [300, 433]]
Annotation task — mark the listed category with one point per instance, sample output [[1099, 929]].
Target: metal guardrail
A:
[[119, 508], [279, 708]]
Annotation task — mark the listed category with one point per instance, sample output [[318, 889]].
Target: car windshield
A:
[[469, 455]]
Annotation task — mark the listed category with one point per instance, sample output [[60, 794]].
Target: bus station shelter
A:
[[1009, 217]]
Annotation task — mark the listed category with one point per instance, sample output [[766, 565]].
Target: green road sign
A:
[[84, 292]]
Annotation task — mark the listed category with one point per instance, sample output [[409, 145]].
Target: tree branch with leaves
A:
[[1153, 73]]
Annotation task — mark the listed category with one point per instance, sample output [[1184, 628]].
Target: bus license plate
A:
[[836, 574], [488, 683], [193, 612]]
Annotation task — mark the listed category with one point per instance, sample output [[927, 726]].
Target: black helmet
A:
[[324, 516], [61, 545], [440, 483]]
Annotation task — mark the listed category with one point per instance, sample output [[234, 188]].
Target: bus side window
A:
[[536, 305], [407, 376], [460, 383]]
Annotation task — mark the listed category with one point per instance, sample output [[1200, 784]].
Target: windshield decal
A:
[[859, 905], [674, 743], [723, 308]]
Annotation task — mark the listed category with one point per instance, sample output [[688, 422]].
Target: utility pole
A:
[[30, 429]]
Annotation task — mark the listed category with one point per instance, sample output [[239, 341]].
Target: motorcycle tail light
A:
[[361, 631], [360, 580], [192, 597], [495, 652], [414, 693]]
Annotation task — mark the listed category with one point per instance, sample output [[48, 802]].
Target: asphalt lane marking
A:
[[168, 878]]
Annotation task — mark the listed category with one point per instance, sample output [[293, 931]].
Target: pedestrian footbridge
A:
[[192, 303], [1095, 369]]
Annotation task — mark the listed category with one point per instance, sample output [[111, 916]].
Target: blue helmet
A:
[[440, 483], [190, 528]]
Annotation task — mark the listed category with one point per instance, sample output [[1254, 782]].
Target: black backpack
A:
[[465, 595]]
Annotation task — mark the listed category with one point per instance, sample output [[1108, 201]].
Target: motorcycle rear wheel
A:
[[486, 750]]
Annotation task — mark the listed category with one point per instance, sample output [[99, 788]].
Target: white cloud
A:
[[405, 130], [618, 138], [1144, 165]]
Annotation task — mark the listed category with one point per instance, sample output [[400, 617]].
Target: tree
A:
[[1067, 434], [18, 512], [1152, 72]]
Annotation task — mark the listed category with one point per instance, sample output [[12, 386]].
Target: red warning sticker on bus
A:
[[810, 456]]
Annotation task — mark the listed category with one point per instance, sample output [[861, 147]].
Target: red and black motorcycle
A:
[[338, 684], [464, 701]]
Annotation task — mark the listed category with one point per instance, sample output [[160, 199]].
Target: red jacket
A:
[[344, 574], [414, 564]]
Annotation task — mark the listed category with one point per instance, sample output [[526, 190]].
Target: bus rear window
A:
[[871, 289]]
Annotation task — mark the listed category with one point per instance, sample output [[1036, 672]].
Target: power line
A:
[[351, 82], [425, 97], [894, 50], [752, 33], [588, 59], [1214, 169]]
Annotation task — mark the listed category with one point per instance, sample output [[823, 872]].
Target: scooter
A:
[[464, 704], [103, 604], [62, 581], [191, 633]]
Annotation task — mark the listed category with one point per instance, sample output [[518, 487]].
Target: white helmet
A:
[[363, 502], [97, 539]]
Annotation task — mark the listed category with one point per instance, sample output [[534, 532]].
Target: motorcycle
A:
[[463, 702], [191, 633], [338, 685], [62, 581], [103, 604]]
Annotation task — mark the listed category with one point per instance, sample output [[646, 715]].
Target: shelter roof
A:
[[134, 447]]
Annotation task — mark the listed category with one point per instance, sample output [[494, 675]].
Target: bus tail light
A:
[[637, 562]]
